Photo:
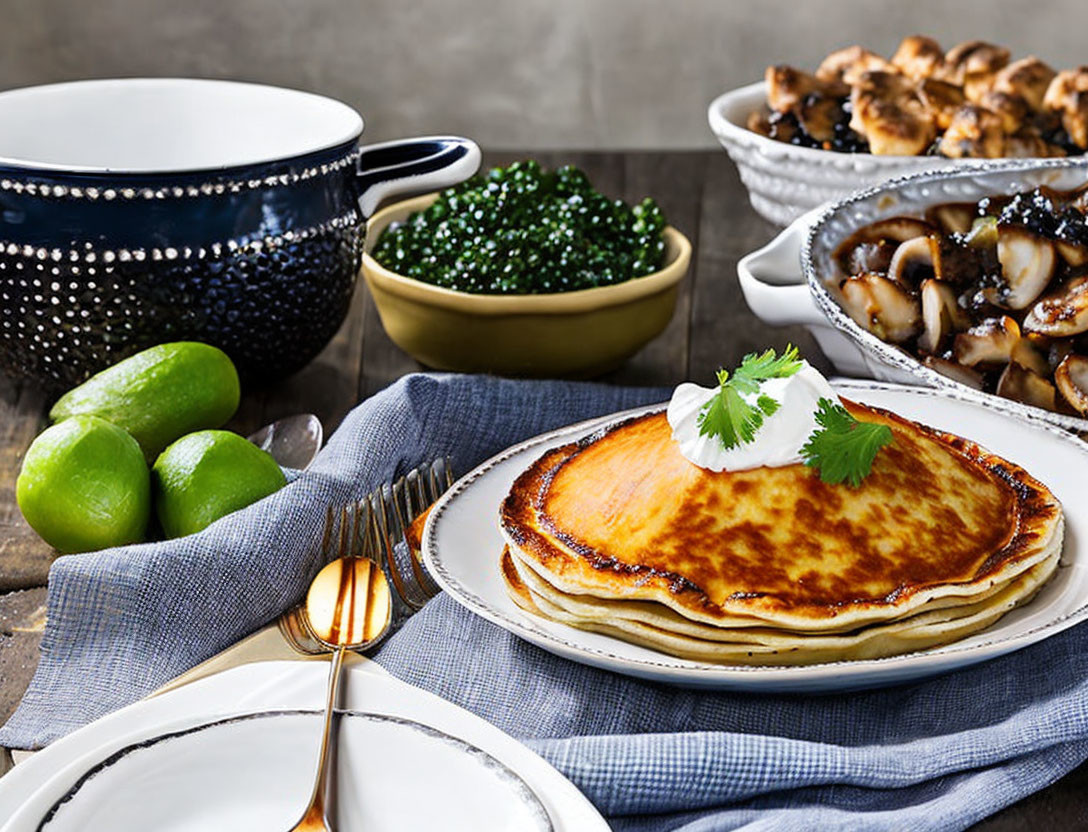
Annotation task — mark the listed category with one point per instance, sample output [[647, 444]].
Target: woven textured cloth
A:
[[935, 755]]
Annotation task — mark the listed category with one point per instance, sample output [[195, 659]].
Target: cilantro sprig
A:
[[731, 417], [842, 448]]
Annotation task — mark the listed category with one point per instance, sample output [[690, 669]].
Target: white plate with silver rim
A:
[[462, 543], [405, 760]]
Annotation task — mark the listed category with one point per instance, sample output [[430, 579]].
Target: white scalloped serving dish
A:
[[783, 180]]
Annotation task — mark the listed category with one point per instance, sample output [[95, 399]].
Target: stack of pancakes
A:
[[620, 534]]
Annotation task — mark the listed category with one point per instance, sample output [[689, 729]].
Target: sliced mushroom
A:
[[914, 261], [1080, 199], [953, 217], [846, 65], [941, 315], [1063, 313], [1025, 354], [1027, 262], [882, 307], [974, 133], [1057, 350], [956, 372], [1027, 78], [1073, 254], [1022, 385], [988, 343], [1071, 377], [918, 57], [896, 229], [870, 257]]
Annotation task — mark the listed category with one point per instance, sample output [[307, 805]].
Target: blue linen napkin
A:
[[935, 755]]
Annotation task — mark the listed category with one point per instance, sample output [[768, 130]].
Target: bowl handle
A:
[[772, 282], [405, 165]]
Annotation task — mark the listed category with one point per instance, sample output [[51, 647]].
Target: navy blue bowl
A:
[[134, 212]]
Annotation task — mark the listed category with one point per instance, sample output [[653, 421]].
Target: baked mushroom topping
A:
[[857, 101], [1067, 95], [942, 100], [974, 132], [882, 307], [1062, 313], [847, 65], [1027, 78], [941, 316], [1022, 385], [1028, 144], [1011, 109], [888, 110], [1027, 264], [1071, 378], [973, 65], [788, 87], [918, 57]]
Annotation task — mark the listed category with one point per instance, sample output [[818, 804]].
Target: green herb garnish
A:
[[842, 448], [523, 230], [732, 418]]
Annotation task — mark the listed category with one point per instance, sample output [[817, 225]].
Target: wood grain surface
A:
[[699, 193]]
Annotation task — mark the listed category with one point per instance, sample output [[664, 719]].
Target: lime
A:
[[84, 485], [209, 474], [159, 394]]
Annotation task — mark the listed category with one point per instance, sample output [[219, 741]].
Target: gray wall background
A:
[[515, 74]]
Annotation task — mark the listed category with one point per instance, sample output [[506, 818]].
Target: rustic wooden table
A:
[[700, 194]]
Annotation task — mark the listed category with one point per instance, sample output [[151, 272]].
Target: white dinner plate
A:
[[462, 543], [237, 752]]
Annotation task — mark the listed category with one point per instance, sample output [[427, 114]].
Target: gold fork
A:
[[375, 527]]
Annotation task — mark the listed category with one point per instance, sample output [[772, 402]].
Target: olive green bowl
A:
[[574, 334]]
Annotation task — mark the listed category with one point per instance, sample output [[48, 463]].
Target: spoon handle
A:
[[317, 817]]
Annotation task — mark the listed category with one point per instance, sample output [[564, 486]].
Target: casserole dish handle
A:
[[776, 291], [429, 163], [772, 282]]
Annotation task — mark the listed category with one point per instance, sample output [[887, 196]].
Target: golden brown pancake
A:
[[623, 516]]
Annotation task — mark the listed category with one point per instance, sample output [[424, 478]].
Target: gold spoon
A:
[[348, 607]]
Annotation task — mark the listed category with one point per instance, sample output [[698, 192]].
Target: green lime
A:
[[207, 475], [84, 485], [159, 394]]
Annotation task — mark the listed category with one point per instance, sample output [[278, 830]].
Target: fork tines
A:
[[396, 513]]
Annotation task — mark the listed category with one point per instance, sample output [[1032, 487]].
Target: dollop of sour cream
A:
[[778, 442]]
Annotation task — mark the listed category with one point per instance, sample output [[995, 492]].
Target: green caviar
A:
[[521, 230]]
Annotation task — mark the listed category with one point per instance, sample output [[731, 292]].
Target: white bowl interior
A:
[[150, 125]]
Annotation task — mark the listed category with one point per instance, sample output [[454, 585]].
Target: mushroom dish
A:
[[969, 102], [993, 294]]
